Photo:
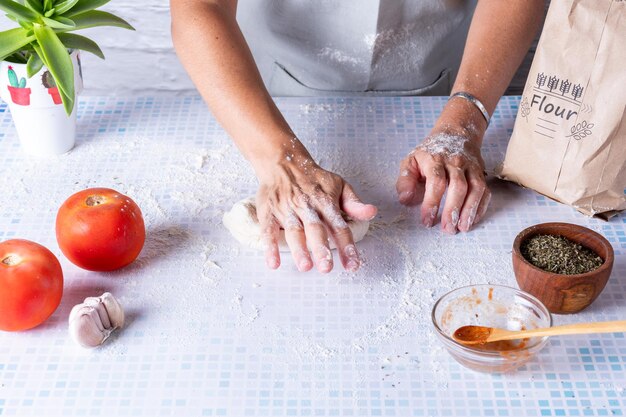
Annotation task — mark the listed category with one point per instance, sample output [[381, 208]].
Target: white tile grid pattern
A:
[[212, 332]]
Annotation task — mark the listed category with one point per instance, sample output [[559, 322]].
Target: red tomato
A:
[[100, 229], [31, 284]]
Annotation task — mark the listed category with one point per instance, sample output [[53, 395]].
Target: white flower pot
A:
[[43, 127]]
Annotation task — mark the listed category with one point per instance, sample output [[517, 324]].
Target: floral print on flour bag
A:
[[569, 140]]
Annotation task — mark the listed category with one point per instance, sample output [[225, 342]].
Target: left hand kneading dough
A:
[[242, 222]]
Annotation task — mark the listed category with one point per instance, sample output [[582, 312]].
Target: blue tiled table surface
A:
[[211, 332]]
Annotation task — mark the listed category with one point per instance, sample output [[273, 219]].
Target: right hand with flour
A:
[[448, 161], [305, 200]]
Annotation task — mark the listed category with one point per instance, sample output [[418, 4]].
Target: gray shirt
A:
[[345, 47]]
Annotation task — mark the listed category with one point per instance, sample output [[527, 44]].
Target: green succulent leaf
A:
[[73, 41], [49, 12], [38, 51], [33, 65], [85, 5], [94, 18], [13, 40], [68, 102], [65, 6], [17, 10], [57, 59], [26, 25], [65, 20], [17, 58], [59, 23], [47, 4], [35, 5]]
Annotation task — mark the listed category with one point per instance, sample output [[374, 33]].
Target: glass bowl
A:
[[493, 306]]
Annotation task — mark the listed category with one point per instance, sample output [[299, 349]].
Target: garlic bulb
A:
[[93, 321]]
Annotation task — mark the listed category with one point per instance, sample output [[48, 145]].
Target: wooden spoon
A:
[[474, 335]]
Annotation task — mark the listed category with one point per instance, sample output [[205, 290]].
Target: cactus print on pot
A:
[[17, 88], [47, 80]]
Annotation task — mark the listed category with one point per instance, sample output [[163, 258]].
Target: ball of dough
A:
[[242, 222]]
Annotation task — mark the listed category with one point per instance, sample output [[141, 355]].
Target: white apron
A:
[[349, 47]]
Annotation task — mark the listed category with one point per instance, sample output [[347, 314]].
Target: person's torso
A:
[[390, 47]]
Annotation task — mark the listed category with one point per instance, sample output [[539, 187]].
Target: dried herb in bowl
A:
[[559, 255]]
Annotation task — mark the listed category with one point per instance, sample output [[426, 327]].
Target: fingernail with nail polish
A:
[[470, 222], [455, 217], [272, 263], [326, 266], [304, 264], [450, 228], [405, 195], [429, 220], [353, 265]]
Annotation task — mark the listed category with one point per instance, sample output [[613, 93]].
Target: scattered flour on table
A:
[[406, 286], [425, 264], [619, 388], [192, 283]]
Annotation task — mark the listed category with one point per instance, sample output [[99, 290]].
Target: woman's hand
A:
[[448, 158], [307, 202]]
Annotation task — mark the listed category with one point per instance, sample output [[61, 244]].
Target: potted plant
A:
[[40, 72]]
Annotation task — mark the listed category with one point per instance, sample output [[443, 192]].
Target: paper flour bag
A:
[[569, 140]]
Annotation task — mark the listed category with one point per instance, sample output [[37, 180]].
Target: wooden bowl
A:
[[563, 294]]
